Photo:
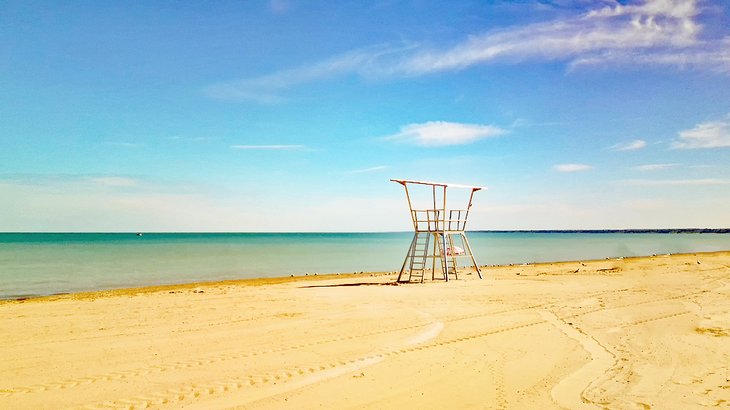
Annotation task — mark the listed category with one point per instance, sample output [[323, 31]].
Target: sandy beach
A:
[[622, 333]]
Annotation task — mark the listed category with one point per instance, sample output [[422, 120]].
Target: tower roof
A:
[[441, 184]]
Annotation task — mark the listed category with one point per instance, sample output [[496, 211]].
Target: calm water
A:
[[41, 264]]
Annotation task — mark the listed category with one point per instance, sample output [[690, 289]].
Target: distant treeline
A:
[[682, 230]]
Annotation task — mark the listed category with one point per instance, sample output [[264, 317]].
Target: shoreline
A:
[[72, 263], [615, 333], [126, 291]]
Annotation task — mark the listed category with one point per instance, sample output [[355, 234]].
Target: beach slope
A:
[[648, 332]]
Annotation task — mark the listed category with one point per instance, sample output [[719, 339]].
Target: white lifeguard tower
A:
[[446, 227]]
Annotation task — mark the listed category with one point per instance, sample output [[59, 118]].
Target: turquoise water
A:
[[42, 264]]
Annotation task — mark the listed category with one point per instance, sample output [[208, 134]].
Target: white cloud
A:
[[654, 167], [656, 32], [714, 134], [442, 133], [628, 146], [367, 170], [572, 167], [268, 147]]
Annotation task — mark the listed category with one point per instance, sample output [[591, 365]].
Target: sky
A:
[[293, 115]]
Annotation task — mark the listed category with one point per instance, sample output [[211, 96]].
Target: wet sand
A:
[[648, 332]]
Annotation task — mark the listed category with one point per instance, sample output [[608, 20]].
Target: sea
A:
[[36, 264]]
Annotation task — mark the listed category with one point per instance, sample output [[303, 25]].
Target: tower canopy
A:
[[439, 184]]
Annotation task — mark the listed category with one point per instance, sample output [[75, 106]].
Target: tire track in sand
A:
[[605, 362], [602, 360], [310, 373], [211, 359]]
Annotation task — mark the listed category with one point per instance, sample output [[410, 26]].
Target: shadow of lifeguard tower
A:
[[439, 232]]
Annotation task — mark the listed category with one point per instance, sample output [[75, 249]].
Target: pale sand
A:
[[633, 333]]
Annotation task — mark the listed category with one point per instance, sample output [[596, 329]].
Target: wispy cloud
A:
[[655, 32], [522, 122], [572, 167], [269, 147], [713, 134], [83, 183], [113, 181], [188, 139], [368, 170], [279, 6], [442, 133], [705, 181], [71, 203], [628, 146], [267, 88], [655, 25], [123, 144], [654, 167], [709, 55]]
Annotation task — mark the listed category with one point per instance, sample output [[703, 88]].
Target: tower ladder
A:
[[443, 255], [418, 256]]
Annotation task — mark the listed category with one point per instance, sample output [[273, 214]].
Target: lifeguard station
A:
[[438, 232]]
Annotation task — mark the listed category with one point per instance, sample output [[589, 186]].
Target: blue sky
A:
[[293, 115]]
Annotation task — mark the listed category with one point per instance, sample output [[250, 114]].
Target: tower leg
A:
[[445, 262], [408, 255], [471, 254], [453, 257], [433, 258]]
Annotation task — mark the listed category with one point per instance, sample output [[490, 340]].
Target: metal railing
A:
[[434, 220]]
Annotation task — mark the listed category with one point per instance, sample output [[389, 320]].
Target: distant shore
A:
[[616, 333], [660, 231]]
